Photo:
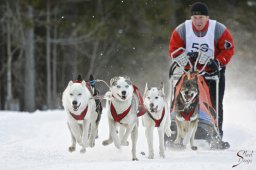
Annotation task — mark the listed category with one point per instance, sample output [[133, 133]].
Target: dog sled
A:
[[207, 115]]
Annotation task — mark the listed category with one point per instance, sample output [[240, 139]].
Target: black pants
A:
[[212, 88]]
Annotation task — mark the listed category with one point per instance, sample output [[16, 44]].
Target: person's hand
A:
[[213, 64], [192, 56]]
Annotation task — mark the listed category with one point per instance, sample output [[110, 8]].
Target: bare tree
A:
[[29, 61], [13, 45], [48, 57], [9, 96]]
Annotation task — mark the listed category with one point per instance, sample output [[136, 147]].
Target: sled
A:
[[208, 115]]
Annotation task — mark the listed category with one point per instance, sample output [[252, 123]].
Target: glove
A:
[[192, 56], [213, 64]]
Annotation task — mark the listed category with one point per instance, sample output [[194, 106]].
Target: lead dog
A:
[[158, 115], [187, 110], [80, 106], [122, 106]]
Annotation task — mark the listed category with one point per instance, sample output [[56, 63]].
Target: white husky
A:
[[81, 112], [158, 115], [122, 105]]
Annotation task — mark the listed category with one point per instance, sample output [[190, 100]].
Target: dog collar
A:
[[119, 117], [157, 122], [81, 116]]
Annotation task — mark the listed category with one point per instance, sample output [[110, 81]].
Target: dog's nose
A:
[[151, 105], [74, 102], [123, 93]]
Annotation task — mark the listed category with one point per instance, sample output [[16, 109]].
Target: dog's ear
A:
[[146, 89], [113, 81], [162, 87], [79, 78], [83, 83], [91, 78], [70, 83], [127, 78]]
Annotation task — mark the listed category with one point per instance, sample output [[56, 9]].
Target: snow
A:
[[40, 141]]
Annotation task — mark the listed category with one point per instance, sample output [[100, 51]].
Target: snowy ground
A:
[[40, 141]]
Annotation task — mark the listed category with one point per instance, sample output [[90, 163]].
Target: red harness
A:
[[187, 116], [81, 116], [142, 110], [157, 122], [119, 117]]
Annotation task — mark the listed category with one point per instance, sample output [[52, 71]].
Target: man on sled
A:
[[202, 34]]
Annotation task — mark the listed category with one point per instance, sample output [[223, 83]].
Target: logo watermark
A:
[[244, 157]]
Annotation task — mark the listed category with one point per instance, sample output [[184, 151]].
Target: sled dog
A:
[[187, 111], [81, 109], [157, 115], [122, 105]]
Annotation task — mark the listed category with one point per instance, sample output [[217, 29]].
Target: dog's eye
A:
[[148, 98], [126, 86], [156, 97], [79, 94], [71, 94], [118, 86]]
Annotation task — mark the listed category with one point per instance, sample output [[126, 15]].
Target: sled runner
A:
[[189, 65]]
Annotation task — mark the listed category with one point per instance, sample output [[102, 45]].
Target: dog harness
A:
[[157, 122], [187, 116], [81, 116], [142, 110], [119, 117]]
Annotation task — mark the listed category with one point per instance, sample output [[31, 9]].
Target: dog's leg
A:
[[85, 133], [161, 141], [127, 133], [188, 128], [178, 137], [73, 142], [113, 133], [193, 147], [149, 136], [93, 134], [121, 135], [134, 137], [109, 140]]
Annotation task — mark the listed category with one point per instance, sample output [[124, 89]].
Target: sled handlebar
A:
[[197, 61]]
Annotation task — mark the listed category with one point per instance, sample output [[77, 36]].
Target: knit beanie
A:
[[199, 8]]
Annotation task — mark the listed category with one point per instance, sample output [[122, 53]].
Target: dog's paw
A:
[[92, 144], [107, 142], [135, 159], [162, 155], [126, 143], [117, 145], [151, 156], [71, 149], [178, 147], [83, 150], [194, 148]]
